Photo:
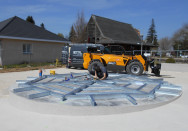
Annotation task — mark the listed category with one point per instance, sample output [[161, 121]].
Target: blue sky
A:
[[59, 15]]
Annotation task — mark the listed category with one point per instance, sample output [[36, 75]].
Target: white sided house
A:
[[24, 42]]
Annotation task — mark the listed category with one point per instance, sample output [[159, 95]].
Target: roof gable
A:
[[117, 32], [17, 27], [4, 23]]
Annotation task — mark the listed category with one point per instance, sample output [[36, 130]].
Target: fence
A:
[[177, 55]]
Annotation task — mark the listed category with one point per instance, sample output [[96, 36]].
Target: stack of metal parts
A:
[[80, 89]]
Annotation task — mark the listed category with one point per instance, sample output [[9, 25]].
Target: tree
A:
[[42, 25], [152, 36], [72, 34], [80, 28], [165, 44], [30, 19], [180, 38], [61, 35]]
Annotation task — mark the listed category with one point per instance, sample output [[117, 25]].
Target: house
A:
[[24, 42], [106, 31]]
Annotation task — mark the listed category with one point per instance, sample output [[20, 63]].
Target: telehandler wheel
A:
[[91, 65], [135, 68]]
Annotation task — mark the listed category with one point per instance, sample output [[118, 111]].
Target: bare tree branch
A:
[[80, 28], [165, 44]]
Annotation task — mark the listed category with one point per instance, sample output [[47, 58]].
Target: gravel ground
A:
[[172, 116]]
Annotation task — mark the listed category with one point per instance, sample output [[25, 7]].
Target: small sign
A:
[[77, 53]]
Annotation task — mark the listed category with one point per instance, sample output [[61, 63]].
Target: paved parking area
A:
[[172, 116]]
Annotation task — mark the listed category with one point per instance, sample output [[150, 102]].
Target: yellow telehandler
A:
[[117, 61]]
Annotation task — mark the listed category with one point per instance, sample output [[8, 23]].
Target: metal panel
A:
[[37, 95], [117, 86]]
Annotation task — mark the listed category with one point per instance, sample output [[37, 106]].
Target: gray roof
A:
[[116, 32], [16, 27]]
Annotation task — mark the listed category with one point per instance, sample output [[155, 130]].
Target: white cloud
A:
[[24, 9]]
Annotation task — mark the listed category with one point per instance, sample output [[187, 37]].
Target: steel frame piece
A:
[[81, 88]]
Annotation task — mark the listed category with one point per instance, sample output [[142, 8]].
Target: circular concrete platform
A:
[[79, 94]]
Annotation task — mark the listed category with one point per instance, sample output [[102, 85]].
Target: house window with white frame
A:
[[27, 49]]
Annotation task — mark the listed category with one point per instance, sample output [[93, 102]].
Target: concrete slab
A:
[[172, 116]]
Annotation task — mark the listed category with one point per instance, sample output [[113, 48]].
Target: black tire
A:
[[135, 68], [91, 65]]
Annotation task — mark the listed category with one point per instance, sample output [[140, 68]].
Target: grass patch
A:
[[170, 60], [27, 67]]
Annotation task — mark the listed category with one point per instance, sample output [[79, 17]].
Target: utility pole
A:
[[141, 36], [178, 50], [95, 33]]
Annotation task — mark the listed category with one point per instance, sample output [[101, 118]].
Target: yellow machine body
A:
[[118, 60]]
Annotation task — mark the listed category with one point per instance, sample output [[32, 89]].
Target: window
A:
[[27, 48], [107, 50], [118, 50]]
